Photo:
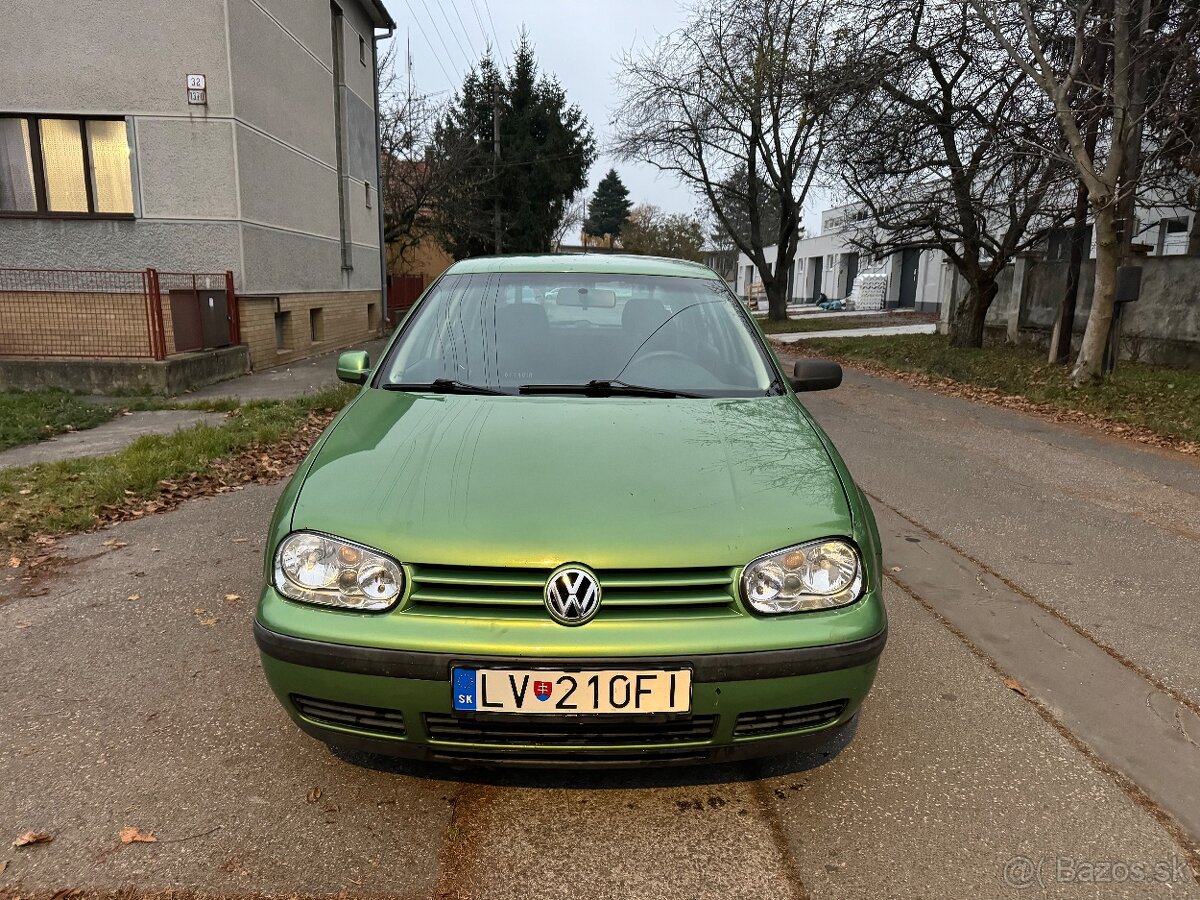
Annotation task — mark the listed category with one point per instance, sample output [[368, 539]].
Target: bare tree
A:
[[1050, 41], [742, 86], [572, 218], [416, 178], [944, 148]]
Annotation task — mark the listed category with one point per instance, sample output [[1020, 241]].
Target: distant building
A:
[[827, 265], [921, 279], [190, 137]]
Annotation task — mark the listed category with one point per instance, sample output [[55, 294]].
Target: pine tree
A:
[[609, 207], [545, 150]]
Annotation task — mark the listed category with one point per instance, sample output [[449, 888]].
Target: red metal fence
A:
[[402, 292], [144, 314]]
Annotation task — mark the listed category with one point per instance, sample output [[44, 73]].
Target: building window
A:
[[1173, 236], [362, 50], [64, 166], [372, 316], [316, 325]]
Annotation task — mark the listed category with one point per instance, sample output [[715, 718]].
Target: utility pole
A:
[[496, 165]]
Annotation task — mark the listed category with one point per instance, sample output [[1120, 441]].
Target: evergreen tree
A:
[[514, 198], [609, 207]]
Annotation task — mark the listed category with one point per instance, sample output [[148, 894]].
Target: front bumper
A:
[[398, 702]]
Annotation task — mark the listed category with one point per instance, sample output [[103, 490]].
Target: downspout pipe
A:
[[383, 290]]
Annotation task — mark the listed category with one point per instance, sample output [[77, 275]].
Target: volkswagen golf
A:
[[576, 515]]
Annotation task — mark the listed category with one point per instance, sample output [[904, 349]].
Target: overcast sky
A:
[[579, 43]]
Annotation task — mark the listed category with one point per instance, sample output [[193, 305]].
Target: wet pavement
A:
[[993, 758]]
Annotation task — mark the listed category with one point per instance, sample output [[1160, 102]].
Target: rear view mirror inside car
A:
[[600, 298]]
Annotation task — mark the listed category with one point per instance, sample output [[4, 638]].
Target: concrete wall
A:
[[1162, 327]]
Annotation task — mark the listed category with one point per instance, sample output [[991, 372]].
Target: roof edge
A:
[[380, 17]]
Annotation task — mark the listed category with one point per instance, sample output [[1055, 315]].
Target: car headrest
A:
[[521, 318], [642, 315]]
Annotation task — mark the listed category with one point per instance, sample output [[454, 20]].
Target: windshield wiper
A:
[[443, 386], [601, 388]]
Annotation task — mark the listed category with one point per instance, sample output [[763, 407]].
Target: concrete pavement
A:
[[881, 331], [283, 382], [1040, 573], [109, 437]]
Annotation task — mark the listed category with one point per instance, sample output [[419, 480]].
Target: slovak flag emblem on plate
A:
[[542, 689]]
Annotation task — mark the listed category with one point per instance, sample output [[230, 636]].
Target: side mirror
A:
[[354, 366], [815, 375]]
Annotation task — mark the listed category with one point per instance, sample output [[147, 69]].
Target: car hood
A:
[[538, 481]]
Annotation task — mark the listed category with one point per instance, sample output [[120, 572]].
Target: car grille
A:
[[583, 732], [626, 592], [365, 718], [776, 721]]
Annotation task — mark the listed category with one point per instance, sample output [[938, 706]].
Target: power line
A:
[[465, 32], [482, 31], [453, 84], [454, 34], [437, 30], [492, 22]]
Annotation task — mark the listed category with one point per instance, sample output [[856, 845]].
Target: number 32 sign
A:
[[197, 89]]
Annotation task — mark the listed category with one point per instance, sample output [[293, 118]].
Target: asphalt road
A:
[[1032, 731]]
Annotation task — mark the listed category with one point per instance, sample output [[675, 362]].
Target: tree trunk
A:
[[777, 298], [967, 328], [1089, 364], [1064, 329], [1194, 235]]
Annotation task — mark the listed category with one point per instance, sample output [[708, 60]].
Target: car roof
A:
[[590, 263]]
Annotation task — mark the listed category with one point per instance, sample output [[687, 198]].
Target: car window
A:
[[512, 329]]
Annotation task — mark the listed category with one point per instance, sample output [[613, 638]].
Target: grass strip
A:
[[1160, 400], [27, 417], [78, 494]]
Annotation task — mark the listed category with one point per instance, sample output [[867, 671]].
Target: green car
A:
[[576, 516]]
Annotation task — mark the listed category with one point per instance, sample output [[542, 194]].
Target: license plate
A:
[[572, 693]]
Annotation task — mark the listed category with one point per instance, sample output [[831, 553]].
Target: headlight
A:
[[820, 574], [318, 569]]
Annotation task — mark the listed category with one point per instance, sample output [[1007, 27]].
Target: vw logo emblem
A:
[[572, 595]]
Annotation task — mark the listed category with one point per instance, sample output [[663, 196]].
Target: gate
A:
[[403, 291]]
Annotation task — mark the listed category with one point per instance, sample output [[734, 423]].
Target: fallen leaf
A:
[[33, 837], [14, 562], [232, 597], [25, 492], [895, 569], [209, 621], [134, 597], [199, 610], [131, 835], [22, 625], [156, 549], [314, 795], [3, 866], [1013, 685], [240, 540]]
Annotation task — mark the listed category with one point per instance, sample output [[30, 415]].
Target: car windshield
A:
[[525, 331]]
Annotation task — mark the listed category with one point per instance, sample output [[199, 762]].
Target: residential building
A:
[[828, 263], [922, 279], [190, 136]]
